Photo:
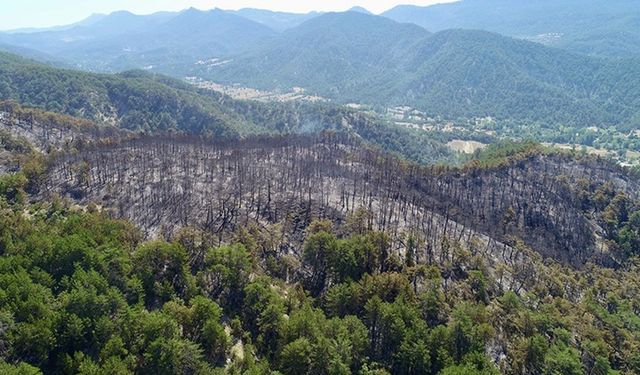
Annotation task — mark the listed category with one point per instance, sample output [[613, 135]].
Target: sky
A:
[[44, 13]]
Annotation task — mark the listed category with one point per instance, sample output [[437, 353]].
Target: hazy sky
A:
[[40, 13]]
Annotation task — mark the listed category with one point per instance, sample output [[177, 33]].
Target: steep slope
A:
[[455, 73], [333, 54], [52, 132], [609, 28], [474, 74], [131, 100]]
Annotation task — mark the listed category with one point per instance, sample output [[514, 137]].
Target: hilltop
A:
[[543, 199]]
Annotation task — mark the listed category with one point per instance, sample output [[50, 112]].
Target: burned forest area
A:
[[163, 184]]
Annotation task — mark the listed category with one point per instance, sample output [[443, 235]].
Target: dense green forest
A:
[[133, 100]]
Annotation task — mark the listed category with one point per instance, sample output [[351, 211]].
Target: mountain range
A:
[[354, 57], [383, 61], [123, 40]]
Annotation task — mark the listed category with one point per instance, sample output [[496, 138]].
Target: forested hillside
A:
[[331, 54], [133, 100], [316, 255], [143, 102]]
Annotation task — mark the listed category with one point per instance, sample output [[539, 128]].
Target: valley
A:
[[476, 133]]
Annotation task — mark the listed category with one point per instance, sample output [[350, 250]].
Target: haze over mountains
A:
[[278, 21], [358, 57], [123, 40]]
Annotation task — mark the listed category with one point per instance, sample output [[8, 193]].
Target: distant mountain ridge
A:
[[325, 53], [597, 27], [123, 40], [606, 28], [95, 17]]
